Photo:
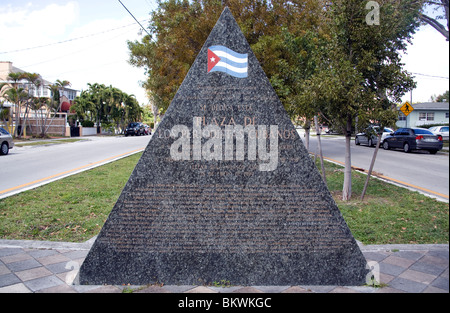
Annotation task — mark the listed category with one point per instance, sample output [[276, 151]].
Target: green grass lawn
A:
[[72, 209], [389, 214], [75, 208]]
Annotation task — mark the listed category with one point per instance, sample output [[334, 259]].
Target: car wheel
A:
[[433, 151], [357, 141], [4, 149], [385, 145], [406, 148]]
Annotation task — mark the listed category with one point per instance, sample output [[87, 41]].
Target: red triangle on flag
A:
[[213, 59]]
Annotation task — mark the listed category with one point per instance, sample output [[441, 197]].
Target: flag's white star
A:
[[213, 60]]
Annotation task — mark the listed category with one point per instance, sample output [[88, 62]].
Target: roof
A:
[[437, 106], [18, 70]]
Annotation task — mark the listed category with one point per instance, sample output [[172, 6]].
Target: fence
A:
[[57, 126]]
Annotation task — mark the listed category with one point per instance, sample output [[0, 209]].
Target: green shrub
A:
[[87, 123]]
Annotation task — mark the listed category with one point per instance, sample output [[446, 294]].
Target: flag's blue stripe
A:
[[226, 70], [229, 51]]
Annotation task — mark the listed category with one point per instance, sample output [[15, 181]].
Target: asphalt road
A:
[[28, 167], [418, 170]]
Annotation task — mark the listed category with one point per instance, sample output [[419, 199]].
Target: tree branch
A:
[[436, 25]]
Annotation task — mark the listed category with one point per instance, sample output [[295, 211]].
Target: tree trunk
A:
[[319, 143], [43, 123], [18, 108], [371, 167], [24, 127], [155, 116], [347, 188], [307, 133], [53, 117]]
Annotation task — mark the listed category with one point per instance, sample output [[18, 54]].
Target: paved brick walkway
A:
[[46, 267]]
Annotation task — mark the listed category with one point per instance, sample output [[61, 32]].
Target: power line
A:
[[74, 52], [68, 40], [429, 75], [150, 5], [135, 19]]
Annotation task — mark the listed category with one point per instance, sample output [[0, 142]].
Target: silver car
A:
[[369, 138], [440, 130], [6, 142]]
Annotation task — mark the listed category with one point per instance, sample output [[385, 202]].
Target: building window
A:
[[446, 114], [426, 116], [32, 91], [401, 116]]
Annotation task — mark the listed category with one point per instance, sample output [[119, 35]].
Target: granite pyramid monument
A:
[[225, 190]]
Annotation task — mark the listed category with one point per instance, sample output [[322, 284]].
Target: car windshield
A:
[[3, 131], [422, 132], [133, 125], [388, 130]]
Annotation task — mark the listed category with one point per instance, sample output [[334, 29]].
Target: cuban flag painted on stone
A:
[[222, 59]]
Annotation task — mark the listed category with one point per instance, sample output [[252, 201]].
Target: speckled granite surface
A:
[[225, 190]]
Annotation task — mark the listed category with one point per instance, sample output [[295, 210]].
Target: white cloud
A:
[[428, 55], [28, 26], [98, 54], [102, 58]]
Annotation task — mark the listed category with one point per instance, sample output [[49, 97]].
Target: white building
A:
[[67, 96]]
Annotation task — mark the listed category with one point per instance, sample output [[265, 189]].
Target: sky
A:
[[85, 41], [100, 56], [428, 55]]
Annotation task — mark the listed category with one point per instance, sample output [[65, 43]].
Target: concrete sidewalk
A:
[[51, 267]]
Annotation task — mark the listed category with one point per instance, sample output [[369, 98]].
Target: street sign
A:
[[407, 108]]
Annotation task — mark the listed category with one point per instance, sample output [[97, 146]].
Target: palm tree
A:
[[62, 85], [3, 111], [16, 96], [53, 106], [35, 81], [15, 78]]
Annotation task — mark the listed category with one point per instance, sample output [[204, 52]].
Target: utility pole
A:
[[410, 102]]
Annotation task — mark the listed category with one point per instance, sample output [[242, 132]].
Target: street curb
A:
[[405, 247], [47, 245]]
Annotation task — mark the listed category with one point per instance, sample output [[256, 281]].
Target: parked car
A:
[[413, 139], [6, 141], [369, 137], [440, 130], [135, 129]]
